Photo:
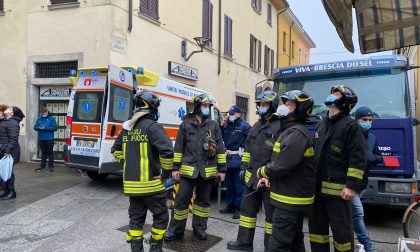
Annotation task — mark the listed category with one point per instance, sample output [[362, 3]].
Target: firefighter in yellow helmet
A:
[[147, 156]]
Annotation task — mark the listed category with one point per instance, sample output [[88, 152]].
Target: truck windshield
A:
[[387, 95]]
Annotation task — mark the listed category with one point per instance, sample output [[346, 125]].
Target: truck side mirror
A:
[[416, 122]]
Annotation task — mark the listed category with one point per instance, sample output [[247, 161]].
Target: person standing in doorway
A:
[[46, 125], [234, 134]]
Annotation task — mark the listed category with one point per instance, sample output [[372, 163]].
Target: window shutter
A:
[[205, 18], [52, 2], [144, 7], [230, 42], [272, 62], [226, 39], [269, 13], [154, 9], [211, 22], [254, 4], [259, 6], [259, 56], [1, 5], [266, 63], [251, 52]]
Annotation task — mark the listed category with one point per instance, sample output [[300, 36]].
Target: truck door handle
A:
[[113, 129]]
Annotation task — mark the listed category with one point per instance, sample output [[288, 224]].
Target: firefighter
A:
[[146, 153], [340, 157], [257, 153], [198, 159], [291, 173]]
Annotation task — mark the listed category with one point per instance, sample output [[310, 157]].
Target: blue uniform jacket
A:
[[234, 135], [50, 126]]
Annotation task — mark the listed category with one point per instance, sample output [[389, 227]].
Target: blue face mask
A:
[[232, 119], [44, 116], [262, 111], [330, 100], [365, 125], [205, 112]]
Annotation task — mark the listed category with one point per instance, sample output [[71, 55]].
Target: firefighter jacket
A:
[[146, 152], [259, 147], [234, 136], [291, 170], [191, 157], [340, 155]]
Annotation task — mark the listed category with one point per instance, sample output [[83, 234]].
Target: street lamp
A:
[[201, 42]]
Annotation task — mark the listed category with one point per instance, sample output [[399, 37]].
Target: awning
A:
[[382, 24]]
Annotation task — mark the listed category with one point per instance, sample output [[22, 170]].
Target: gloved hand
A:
[[242, 174], [118, 155]]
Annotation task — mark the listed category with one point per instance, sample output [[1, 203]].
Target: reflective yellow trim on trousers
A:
[[355, 173], [246, 157], [342, 246], [157, 234], [291, 200], [221, 158], [178, 157], [332, 188], [319, 238], [210, 171], [180, 214], [247, 176], [201, 211], [263, 172], [268, 228], [187, 170], [134, 235], [276, 147], [309, 152], [247, 222]]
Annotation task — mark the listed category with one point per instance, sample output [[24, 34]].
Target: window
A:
[[284, 41], [268, 60], [122, 104], [54, 69], [88, 106], [256, 5], [150, 8], [242, 103], [1, 5], [255, 54], [63, 1], [300, 55], [228, 36], [269, 14], [208, 21], [293, 49]]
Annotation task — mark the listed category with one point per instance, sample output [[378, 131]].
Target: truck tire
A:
[[96, 176]]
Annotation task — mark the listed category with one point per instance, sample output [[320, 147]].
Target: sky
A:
[[317, 24]]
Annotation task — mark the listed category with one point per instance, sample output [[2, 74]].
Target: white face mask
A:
[[283, 110]]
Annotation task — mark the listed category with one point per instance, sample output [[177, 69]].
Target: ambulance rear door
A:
[[119, 108]]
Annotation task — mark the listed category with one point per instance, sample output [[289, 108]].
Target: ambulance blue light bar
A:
[[73, 73], [140, 70], [372, 63]]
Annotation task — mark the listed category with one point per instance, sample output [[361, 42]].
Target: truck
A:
[[102, 100], [386, 85]]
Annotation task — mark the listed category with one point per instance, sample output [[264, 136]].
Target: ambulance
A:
[[101, 100]]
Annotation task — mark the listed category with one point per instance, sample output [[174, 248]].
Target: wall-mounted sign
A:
[[55, 93], [182, 71], [118, 44]]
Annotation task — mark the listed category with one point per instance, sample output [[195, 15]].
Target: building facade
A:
[[47, 38]]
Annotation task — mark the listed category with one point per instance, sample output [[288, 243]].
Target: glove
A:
[[242, 174], [118, 155]]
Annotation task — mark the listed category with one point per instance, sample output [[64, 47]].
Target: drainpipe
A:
[[219, 56], [278, 33], [290, 43], [130, 15]]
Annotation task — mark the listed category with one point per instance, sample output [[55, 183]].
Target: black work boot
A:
[[200, 234], [39, 169], [155, 245], [169, 236], [10, 195], [237, 214], [6, 191], [137, 245], [227, 210], [237, 245], [51, 169]]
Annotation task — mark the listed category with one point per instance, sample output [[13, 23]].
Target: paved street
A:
[[63, 211]]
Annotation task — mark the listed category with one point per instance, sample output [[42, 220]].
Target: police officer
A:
[[340, 157], [234, 134], [147, 156], [198, 159], [291, 173], [257, 153]]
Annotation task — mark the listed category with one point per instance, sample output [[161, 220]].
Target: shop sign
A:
[[182, 71], [55, 93]]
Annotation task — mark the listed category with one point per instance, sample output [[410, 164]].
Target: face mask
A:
[[330, 100], [262, 111], [232, 119], [283, 110], [44, 116], [365, 125], [205, 112]]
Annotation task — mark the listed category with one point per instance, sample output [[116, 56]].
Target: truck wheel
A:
[[96, 176]]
